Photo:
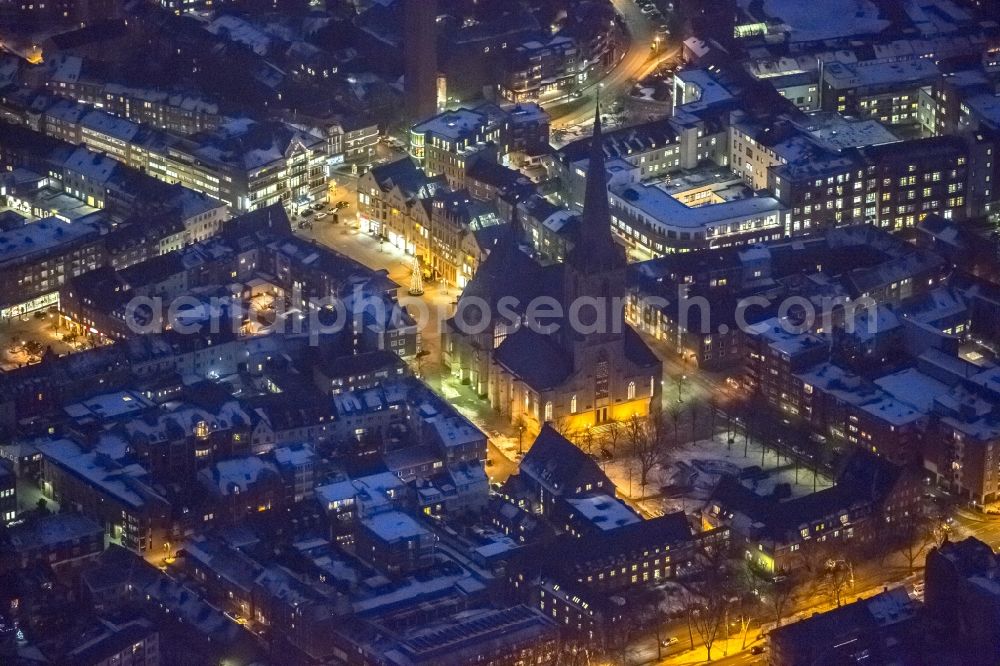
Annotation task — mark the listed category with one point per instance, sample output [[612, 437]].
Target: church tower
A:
[[596, 250], [595, 267]]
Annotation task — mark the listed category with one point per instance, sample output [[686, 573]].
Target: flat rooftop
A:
[[842, 76], [839, 133], [453, 125], [913, 388], [393, 526], [51, 530], [604, 511], [665, 211], [986, 107]]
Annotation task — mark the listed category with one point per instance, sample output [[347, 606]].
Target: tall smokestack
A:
[[420, 56]]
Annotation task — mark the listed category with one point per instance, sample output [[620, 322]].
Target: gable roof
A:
[[535, 359], [556, 463], [866, 478], [506, 271]]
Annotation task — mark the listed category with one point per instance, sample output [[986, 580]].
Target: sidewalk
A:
[[721, 649]]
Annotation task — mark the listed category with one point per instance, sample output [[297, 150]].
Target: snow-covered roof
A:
[[604, 511], [42, 236], [391, 526], [120, 482], [666, 213], [107, 406], [913, 388], [240, 473]]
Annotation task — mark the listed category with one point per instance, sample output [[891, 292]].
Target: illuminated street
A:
[[237, 431], [639, 61]]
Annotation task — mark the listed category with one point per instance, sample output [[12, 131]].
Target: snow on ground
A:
[[690, 473], [824, 20], [673, 599]]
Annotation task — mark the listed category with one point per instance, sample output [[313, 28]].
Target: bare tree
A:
[[812, 557], [33, 348], [777, 595], [641, 434], [747, 600], [840, 579], [649, 608], [564, 426], [835, 580], [611, 435], [573, 651], [708, 618], [587, 441], [420, 362], [917, 535], [618, 634], [675, 412], [828, 569], [716, 586], [713, 409], [694, 411], [731, 432]]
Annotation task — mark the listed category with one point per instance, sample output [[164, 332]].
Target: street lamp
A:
[[520, 432]]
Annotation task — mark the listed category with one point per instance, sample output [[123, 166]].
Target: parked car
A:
[[667, 642], [757, 649]]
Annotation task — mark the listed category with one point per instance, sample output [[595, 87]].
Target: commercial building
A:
[[37, 259], [447, 144], [246, 164], [892, 186], [177, 111], [654, 222], [884, 91], [539, 68], [450, 232]]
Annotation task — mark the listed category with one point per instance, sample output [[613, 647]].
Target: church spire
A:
[[596, 248], [516, 230]]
